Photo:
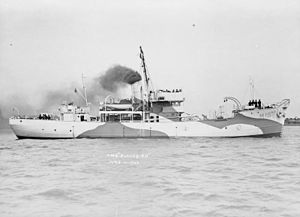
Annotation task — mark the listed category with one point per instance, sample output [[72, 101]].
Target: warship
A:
[[151, 113]]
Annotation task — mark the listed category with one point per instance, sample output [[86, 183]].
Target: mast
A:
[[144, 69], [146, 75], [84, 89]]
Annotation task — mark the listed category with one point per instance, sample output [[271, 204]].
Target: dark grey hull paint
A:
[[41, 138], [118, 130]]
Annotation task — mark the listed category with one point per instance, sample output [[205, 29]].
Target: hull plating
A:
[[239, 126]]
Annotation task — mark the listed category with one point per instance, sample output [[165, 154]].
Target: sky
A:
[[208, 48]]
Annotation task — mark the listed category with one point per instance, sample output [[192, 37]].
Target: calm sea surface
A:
[[143, 177]]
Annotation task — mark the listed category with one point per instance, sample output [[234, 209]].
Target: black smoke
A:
[[118, 76], [109, 82], [113, 79]]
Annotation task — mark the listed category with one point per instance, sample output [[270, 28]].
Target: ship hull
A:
[[239, 126]]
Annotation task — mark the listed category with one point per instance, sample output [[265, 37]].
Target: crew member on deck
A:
[[251, 103]]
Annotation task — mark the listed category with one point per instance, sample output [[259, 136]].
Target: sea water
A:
[[150, 177]]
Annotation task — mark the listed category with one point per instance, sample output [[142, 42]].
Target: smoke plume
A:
[[118, 76], [112, 82], [114, 79]]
